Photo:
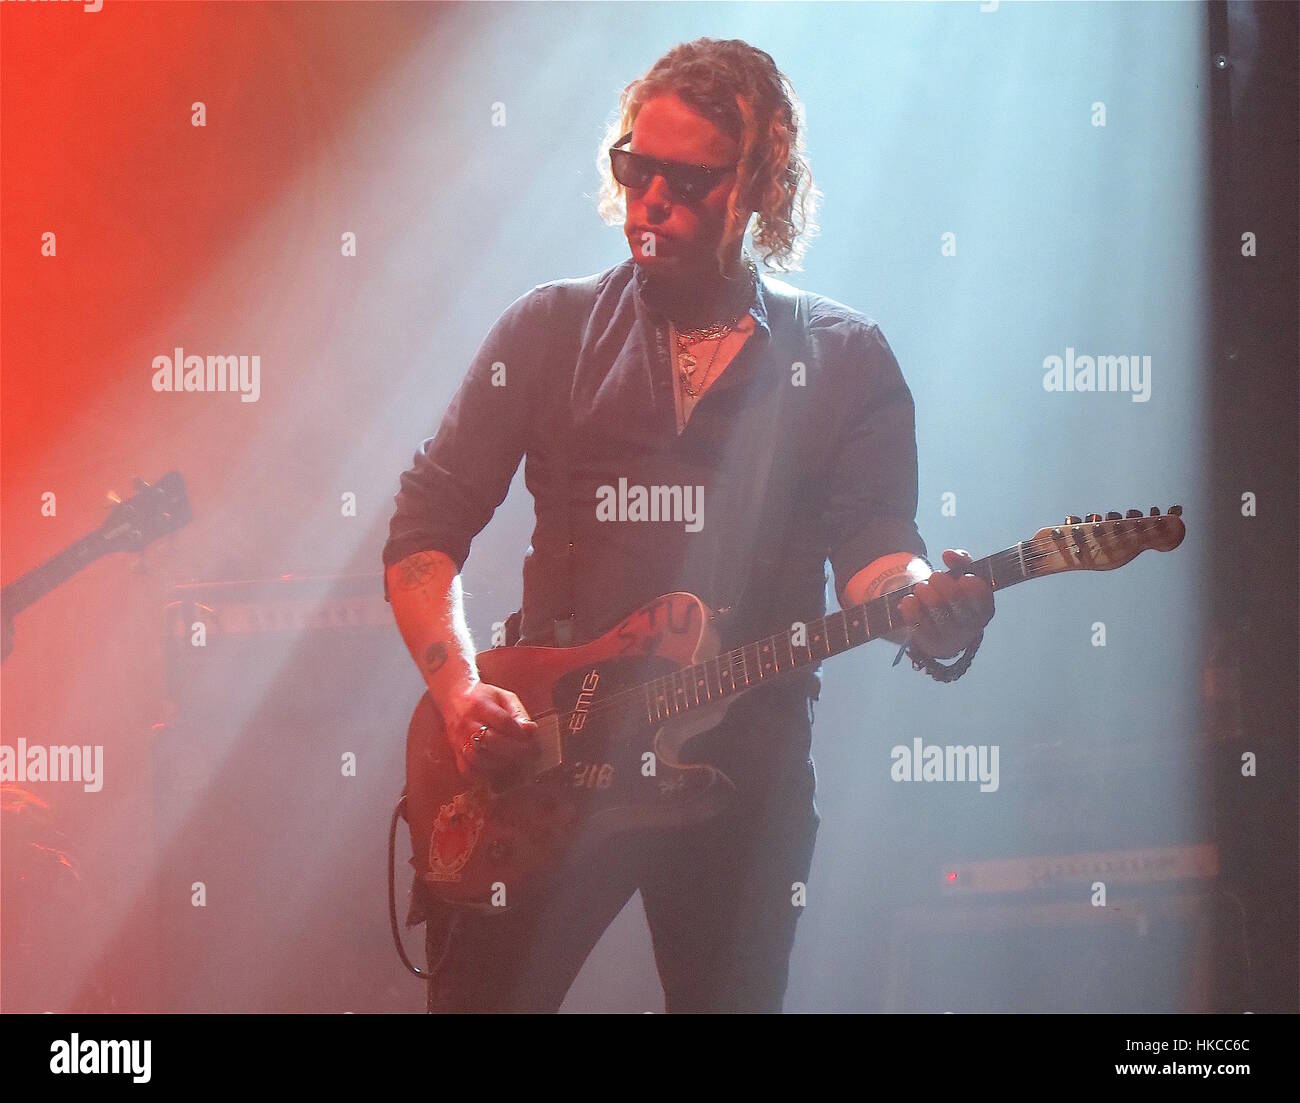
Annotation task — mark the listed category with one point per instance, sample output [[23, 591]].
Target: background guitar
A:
[[131, 525]]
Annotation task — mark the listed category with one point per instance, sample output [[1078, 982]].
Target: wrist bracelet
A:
[[938, 671]]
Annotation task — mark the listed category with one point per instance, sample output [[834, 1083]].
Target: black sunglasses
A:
[[685, 182]]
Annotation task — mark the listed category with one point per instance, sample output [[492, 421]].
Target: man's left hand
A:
[[949, 610]]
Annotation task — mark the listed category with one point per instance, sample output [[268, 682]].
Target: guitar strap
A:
[[560, 426], [765, 486], [564, 628]]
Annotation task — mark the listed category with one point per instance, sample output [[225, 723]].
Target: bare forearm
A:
[[428, 606], [889, 572]]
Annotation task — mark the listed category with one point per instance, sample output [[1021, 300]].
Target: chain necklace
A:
[[686, 359], [715, 331]]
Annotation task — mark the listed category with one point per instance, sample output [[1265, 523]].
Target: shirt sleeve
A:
[[871, 503], [462, 474]]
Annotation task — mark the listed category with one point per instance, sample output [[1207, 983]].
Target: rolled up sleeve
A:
[[872, 497], [462, 474]]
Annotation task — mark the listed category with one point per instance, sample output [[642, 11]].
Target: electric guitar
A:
[[615, 714], [131, 525]]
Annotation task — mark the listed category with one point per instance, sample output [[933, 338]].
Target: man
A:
[[783, 422]]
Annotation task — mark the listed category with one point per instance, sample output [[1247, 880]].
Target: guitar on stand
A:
[[131, 525], [615, 714]]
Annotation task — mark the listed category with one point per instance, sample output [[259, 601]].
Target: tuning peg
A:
[[1155, 511], [1133, 513], [1073, 520], [1093, 517], [139, 485], [1112, 516], [1176, 511], [113, 498]]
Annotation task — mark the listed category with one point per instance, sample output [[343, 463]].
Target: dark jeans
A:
[[720, 899]]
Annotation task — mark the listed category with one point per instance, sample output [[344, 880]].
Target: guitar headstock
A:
[[152, 511], [1098, 543]]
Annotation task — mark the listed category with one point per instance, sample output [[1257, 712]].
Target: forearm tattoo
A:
[[435, 657], [875, 586], [415, 571]]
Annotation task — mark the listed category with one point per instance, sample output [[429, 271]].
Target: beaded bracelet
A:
[[941, 673]]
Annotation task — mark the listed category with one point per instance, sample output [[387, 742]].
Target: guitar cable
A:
[[399, 812]]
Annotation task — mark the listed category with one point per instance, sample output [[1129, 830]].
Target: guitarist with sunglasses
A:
[[777, 426]]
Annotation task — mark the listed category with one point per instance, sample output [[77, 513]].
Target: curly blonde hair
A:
[[739, 89]]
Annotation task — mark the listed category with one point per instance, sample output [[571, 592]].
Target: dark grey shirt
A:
[[802, 450]]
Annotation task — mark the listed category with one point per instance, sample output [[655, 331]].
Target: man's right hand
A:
[[509, 729], [487, 727]]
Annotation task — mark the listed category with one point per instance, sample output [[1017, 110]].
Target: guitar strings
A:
[[623, 698], [1034, 552]]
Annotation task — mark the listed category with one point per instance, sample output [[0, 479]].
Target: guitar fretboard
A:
[[807, 644], [39, 581], [1098, 544]]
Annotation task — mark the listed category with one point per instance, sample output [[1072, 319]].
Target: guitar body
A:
[[601, 766]]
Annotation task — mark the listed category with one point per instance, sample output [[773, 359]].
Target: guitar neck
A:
[[39, 581], [808, 643]]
